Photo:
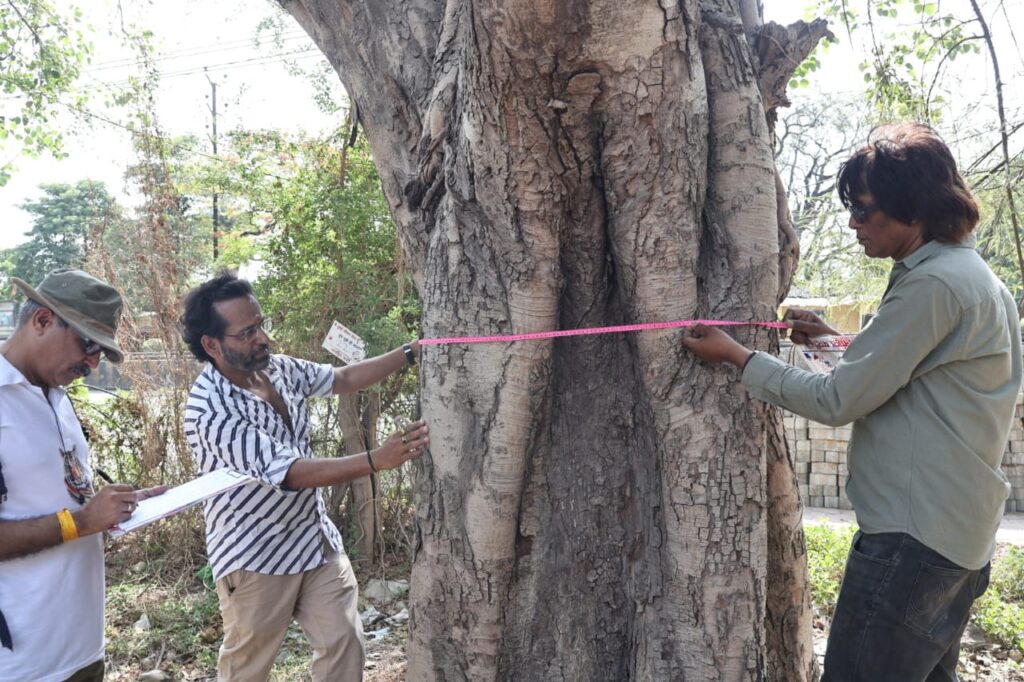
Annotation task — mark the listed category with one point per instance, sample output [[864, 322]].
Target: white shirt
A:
[[259, 526], [52, 600]]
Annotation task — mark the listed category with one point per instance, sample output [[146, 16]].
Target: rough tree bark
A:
[[594, 508]]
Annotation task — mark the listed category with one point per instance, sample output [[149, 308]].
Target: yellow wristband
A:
[[68, 528]]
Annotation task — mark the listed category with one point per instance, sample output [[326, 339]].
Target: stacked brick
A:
[[1013, 460], [819, 454]]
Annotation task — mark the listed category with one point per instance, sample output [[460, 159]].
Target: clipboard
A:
[[180, 498]]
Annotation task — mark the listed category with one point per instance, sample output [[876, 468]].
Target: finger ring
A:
[[404, 440]]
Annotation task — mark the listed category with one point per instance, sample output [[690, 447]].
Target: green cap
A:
[[90, 306]]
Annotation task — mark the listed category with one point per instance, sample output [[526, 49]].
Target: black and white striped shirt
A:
[[259, 526]]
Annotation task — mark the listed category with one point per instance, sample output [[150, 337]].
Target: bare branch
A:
[[1004, 141]]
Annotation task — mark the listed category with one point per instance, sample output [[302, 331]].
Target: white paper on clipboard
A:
[[180, 498], [344, 344]]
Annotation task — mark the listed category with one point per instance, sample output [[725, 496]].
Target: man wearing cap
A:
[[51, 520]]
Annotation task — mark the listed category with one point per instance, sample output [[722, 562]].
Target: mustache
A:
[[82, 370]]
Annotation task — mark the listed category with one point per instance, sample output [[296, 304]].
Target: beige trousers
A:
[[257, 610]]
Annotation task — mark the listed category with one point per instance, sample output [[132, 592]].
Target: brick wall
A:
[[820, 461]]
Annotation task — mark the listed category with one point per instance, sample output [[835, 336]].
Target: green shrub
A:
[[1001, 619], [205, 576], [1000, 611], [827, 548], [1008, 575]]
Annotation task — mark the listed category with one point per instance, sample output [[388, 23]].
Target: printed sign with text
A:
[[344, 344]]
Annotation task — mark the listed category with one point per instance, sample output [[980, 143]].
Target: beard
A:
[[248, 362]]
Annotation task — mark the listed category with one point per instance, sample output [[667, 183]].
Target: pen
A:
[[103, 475]]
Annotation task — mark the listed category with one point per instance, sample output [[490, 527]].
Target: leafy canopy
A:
[[42, 51]]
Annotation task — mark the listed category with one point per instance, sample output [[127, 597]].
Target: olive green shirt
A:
[[930, 386]]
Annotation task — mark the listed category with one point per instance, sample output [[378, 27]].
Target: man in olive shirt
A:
[[930, 386]]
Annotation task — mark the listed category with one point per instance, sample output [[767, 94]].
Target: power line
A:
[[262, 60], [197, 50], [160, 138], [252, 61], [133, 131]]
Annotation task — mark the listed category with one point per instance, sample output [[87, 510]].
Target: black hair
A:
[[911, 175], [201, 319]]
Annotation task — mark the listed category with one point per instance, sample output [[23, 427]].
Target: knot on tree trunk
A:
[[780, 50]]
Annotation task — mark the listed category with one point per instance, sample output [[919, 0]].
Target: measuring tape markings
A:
[[587, 331]]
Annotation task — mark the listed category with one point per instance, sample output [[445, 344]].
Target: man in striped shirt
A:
[[275, 554]]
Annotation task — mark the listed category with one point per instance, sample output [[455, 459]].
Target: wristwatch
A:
[[410, 357]]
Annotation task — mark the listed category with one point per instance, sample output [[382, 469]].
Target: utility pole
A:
[[213, 111]]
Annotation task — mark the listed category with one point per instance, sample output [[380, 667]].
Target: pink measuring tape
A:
[[587, 331]]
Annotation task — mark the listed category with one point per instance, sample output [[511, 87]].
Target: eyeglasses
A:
[[249, 333], [861, 213]]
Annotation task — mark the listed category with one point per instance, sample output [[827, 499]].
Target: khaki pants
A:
[[257, 610]]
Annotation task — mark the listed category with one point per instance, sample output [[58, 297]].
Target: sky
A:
[[255, 89]]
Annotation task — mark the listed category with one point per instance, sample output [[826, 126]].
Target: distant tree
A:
[[42, 51], [66, 222], [167, 220]]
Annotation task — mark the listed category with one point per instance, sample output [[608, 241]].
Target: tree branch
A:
[[1004, 143], [780, 50]]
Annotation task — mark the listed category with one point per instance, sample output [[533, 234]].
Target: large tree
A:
[[604, 507]]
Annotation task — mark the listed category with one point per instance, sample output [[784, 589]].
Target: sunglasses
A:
[[861, 213], [90, 347]]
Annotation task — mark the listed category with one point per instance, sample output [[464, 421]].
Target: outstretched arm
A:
[[396, 450], [360, 375], [884, 357]]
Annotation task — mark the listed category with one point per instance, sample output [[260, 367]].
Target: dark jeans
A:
[[90, 673], [901, 611]]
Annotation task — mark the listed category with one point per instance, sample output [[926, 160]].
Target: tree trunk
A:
[[365, 497], [363, 510], [596, 507]]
